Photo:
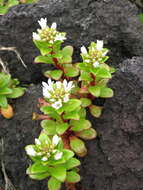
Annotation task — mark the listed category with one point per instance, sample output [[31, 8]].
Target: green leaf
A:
[[95, 90], [83, 66], [106, 93], [54, 184], [44, 59], [35, 175], [49, 126], [80, 124], [87, 134], [5, 91], [71, 115], [66, 59], [101, 72], [56, 74], [61, 128], [58, 172], [42, 46], [3, 101], [16, 93], [85, 76], [71, 163], [48, 110], [78, 146], [85, 102], [71, 105], [67, 154], [71, 71], [82, 113], [96, 110], [4, 80], [72, 177], [67, 50]]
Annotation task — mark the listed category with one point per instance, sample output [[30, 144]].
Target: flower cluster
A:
[[47, 34], [96, 53], [57, 93], [45, 148]]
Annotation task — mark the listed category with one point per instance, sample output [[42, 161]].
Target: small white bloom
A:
[[66, 98], [58, 84], [96, 64], [99, 45], [59, 37], [55, 140], [44, 158], [58, 156], [83, 50], [30, 151], [57, 104], [36, 36], [104, 54], [87, 60], [54, 25], [37, 141], [43, 23]]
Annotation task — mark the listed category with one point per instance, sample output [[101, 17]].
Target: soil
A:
[[115, 158]]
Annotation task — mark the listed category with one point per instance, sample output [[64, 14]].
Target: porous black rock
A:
[[114, 21]]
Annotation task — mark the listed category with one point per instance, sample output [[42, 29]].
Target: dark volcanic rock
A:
[[115, 158], [114, 21]]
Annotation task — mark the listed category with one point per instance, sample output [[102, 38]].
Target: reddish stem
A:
[[70, 186]]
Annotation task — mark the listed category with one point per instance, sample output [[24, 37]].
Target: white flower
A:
[[37, 142], [30, 151], [68, 86], [47, 87], [43, 23], [83, 50], [96, 64], [58, 156], [57, 104], [54, 25], [99, 45], [44, 158], [66, 98], [55, 140], [58, 84], [59, 37], [36, 36]]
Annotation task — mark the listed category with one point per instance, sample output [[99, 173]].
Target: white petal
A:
[[83, 50], [87, 60], [55, 140], [37, 142], [58, 156], [30, 151], [54, 25], [70, 85], [96, 64], [99, 45], [36, 36], [57, 104], [66, 98], [60, 37], [58, 84], [105, 53], [65, 83], [44, 158], [43, 23]]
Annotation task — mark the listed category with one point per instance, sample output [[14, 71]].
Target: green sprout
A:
[[67, 95]]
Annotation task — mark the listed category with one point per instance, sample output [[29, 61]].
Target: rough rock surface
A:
[[115, 158], [114, 21]]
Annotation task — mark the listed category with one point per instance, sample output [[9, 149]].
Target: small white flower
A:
[[44, 158], [83, 50], [58, 156], [59, 37], [43, 23], [30, 151], [57, 104], [36, 36], [66, 98], [58, 84], [96, 64], [37, 141], [55, 140], [99, 45], [54, 25]]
